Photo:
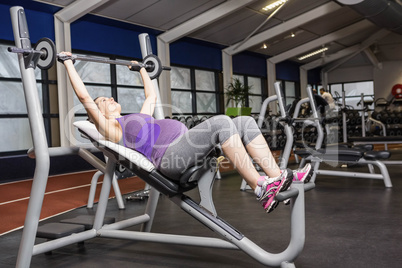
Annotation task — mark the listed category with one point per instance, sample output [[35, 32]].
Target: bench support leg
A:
[[288, 265], [316, 166], [371, 168], [384, 172], [92, 190], [117, 192], [104, 195], [150, 209], [244, 186]]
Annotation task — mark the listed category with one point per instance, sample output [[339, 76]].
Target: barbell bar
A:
[[151, 63], [44, 56]]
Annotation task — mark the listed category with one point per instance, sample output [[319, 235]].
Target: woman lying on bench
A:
[[172, 148]]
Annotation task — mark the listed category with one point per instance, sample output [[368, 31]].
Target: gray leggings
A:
[[199, 141]]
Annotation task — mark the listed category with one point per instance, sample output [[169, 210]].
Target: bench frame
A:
[[204, 211]]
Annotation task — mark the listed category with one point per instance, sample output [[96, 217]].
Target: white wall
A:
[[351, 74], [384, 79]]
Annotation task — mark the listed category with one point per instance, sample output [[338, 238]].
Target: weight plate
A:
[[155, 61], [48, 58]]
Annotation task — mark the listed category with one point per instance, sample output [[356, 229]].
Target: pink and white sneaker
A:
[[268, 188], [303, 174]]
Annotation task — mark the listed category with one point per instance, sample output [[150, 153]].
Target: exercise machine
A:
[[335, 154], [201, 177], [389, 124]]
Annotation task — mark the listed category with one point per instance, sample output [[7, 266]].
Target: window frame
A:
[[46, 114], [339, 99], [297, 89], [113, 85], [264, 89], [193, 91]]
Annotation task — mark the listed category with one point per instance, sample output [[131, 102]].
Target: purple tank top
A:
[[149, 136]]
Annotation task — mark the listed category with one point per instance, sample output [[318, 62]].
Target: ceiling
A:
[[235, 27]]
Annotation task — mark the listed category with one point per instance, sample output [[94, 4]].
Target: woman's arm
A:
[[110, 129], [148, 107], [82, 93]]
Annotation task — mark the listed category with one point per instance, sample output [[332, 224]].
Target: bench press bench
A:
[[201, 176]]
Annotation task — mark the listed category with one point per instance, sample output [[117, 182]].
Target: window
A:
[[93, 71], [255, 96], [353, 92], [194, 91], [290, 92], [182, 97], [109, 80], [15, 132], [130, 89], [205, 86], [126, 77], [130, 99], [9, 63], [97, 80]]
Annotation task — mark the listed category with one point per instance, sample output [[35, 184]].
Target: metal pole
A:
[[146, 49], [363, 116], [288, 130], [316, 119], [21, 36], [259, 26], [345, 133]]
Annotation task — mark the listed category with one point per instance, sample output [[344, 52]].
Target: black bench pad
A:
[[87, 221], [56, 230], [364, 147], [375, 139], [343, 154], [377, 155], [339, 153]]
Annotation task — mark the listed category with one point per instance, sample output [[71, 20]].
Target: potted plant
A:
[[237, 92]]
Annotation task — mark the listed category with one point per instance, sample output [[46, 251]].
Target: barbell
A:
[[44, 56]]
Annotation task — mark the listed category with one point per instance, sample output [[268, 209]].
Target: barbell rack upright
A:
[[21, 37]]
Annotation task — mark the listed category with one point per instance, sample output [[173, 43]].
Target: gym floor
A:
[[350, 222]]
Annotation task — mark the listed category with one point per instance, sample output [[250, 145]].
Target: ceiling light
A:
[[274, 5], [292, 35], [313, 53], [264, 46]]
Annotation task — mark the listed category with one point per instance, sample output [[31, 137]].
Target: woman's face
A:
[[108, 106]]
